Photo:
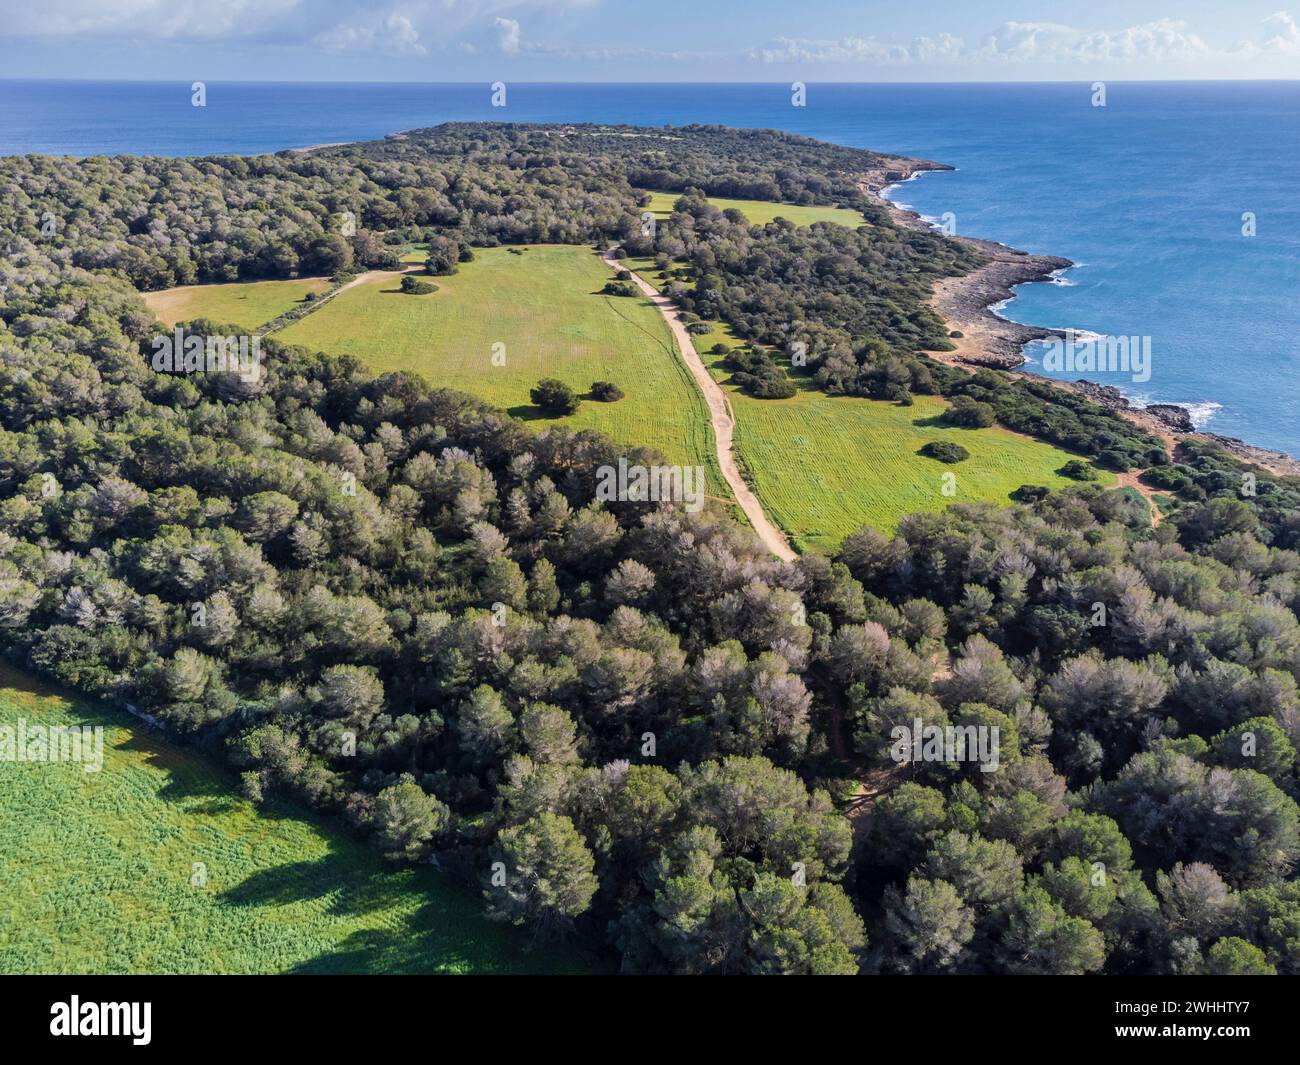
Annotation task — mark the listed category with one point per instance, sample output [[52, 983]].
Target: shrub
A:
[[606, 391], [766, 385], [441, 265], [758, 374], [945, 451], [554, 397], [1030, 493], [414, 287], [968, 413], [1078, 470], [620, 288]]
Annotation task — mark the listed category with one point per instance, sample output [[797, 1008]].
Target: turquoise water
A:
[[1146, 194]]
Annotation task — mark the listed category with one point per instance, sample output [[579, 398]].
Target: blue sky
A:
[[652, 40]]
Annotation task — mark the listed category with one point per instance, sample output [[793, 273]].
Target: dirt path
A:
[[370, 275], [360, 279], [1129, 479], [724, 422], [871, 786]]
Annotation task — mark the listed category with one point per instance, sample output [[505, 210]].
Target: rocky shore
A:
[[985, 338], [967, 302], [1171, 422]]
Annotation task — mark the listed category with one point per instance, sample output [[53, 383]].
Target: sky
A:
[[663, 40]]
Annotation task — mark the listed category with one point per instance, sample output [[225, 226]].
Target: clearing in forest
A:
[[760, 212], [824, 466], [513, 316], [249, 305]]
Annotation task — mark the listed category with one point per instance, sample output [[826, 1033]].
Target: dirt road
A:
[[724, 423]]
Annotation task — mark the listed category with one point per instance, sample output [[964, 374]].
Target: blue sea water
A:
[[1146, 195]]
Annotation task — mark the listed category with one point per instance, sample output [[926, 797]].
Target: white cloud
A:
[[395, 34], [482, 27], [1286, 34], [1013, 42], [507, 35], [845, 50], [1049, 42], [401, 26], [944, 47], [144, 18], [1027, 40]]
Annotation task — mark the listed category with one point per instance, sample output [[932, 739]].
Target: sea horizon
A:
[[724, 81], [1133, 193]]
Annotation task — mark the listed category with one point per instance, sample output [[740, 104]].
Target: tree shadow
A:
[[445, 932], [187, 774], [448, 937], [215, 807], [354, 879], [526, 412], [934, 421]]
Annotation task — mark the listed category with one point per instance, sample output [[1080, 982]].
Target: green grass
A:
[[248, 305], [824, 466], [759, 212], [545, 306], [96, 871]]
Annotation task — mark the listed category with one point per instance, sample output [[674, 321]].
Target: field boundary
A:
[[289, 318]]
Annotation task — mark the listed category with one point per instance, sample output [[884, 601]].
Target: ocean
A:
[[1178, 201]]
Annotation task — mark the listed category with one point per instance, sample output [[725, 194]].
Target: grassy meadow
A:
[[97, 872], [824, 466], [248, 305], [760, 212], [544, 305]]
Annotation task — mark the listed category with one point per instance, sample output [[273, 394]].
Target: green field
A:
[[545, 307], [248, 305], [97, 870], [759, 212], [824, 466]]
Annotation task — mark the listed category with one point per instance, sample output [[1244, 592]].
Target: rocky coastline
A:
[[982, 337]]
